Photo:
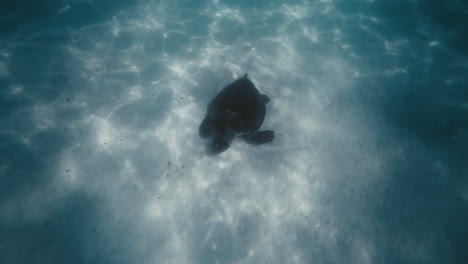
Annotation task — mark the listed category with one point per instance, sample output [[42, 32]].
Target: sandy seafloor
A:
[[100, 159]]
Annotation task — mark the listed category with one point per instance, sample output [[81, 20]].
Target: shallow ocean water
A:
[[101, 160]]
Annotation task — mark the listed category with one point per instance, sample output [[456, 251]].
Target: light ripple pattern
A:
[[101, 161]]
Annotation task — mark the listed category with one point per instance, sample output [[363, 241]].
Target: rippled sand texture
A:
[[101, 160]]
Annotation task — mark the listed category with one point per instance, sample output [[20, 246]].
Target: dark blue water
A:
[[101, 161]]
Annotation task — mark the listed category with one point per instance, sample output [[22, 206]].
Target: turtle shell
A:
[[239, 107]]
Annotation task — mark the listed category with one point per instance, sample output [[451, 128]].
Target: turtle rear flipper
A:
[[259, 137]]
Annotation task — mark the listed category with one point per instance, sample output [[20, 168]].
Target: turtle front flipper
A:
[[206, 128], [221, 141], [259, 137]]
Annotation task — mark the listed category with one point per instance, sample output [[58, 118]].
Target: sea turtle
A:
[[238, 110]]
